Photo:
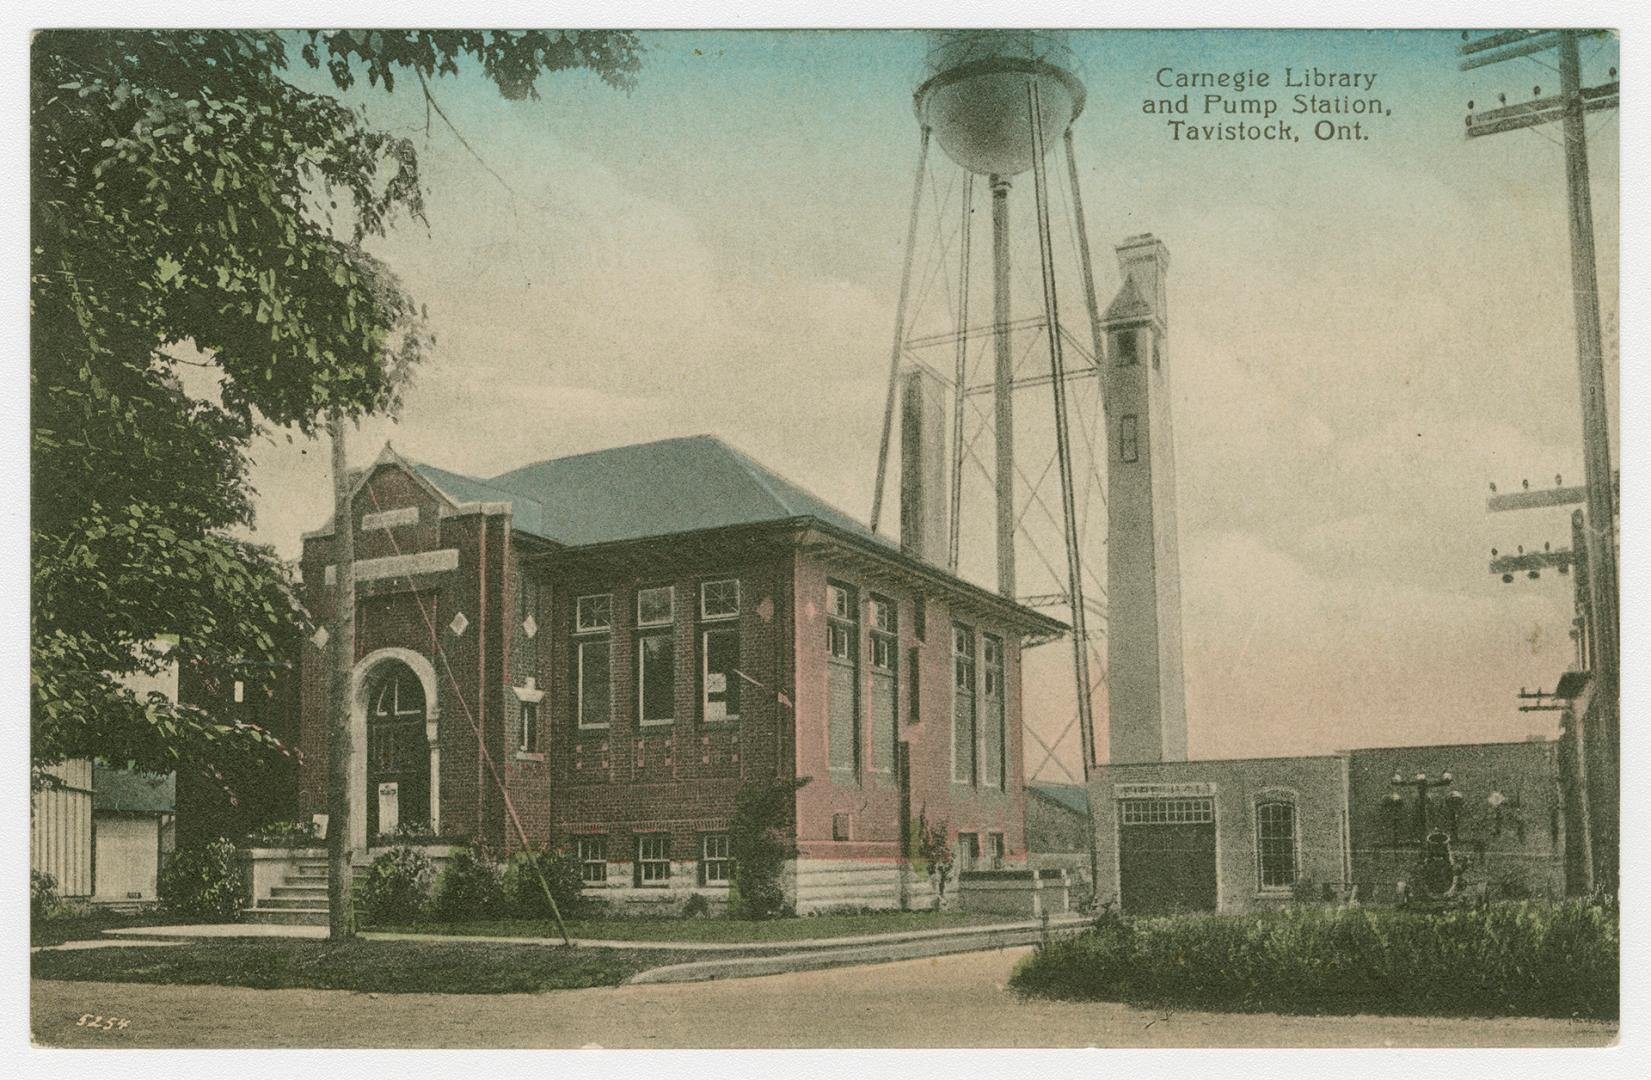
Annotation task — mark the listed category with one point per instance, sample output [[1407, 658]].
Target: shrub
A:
[[760, 841], [395, 888], [204, 881], [934, 850], [526, 895], [44, 903], [696, 906], [1506, 959], [284, 834], [468, 887]]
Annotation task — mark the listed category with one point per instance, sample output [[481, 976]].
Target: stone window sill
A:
[[525, 755]]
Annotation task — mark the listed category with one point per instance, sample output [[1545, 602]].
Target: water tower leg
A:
[[960, 385], [899, 332], [1063, 454], [1095, 336], [1003, 389]]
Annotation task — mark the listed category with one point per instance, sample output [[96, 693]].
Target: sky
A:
[[1363, 336]]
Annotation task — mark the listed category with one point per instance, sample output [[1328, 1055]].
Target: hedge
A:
[[1527, 958]]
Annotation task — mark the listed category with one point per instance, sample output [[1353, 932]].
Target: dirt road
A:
[[957, 1000]]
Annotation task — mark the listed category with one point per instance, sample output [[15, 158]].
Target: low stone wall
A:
[[1025, 893]]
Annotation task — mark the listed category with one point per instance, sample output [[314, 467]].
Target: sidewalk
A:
[[960, 938]]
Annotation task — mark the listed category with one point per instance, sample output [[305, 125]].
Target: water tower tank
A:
[[974, 99]]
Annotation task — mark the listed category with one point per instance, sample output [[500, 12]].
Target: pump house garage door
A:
[[1166, 855]]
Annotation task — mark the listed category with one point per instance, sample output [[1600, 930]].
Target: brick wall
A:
[[871, 799]]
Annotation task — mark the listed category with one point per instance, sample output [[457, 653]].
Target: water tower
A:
[[997, 101]]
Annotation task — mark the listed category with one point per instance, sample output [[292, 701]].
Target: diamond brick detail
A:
[[320, 637], [529, 627], [459, 625]]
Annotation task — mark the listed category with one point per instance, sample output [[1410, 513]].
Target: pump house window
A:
[[1275, 825], [716, 864]]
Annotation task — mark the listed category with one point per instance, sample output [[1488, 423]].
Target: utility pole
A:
[[340, 858], [1571, 107]]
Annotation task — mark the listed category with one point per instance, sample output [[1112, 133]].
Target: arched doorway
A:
[[398, 750]]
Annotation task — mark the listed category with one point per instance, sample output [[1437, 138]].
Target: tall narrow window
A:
[[593, 657], [720, 658], [1129, 448], [843, 678], [1123, 343], [998, 849], [993, 775], [527, 727], [965, 766], [1275, 827], [656, 678], [885, 663]]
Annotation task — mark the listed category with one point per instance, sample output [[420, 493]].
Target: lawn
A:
[[90, 925], [384, 967], [711, 930]]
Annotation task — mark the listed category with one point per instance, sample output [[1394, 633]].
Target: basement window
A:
[[593, 860], [653, 861], [716, 864]]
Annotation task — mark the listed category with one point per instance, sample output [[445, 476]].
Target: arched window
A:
[[1275, 843], [398, 750]]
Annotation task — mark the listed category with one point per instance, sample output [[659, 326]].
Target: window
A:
[[716, 866], [656, 607], [885, 701], [1129, 448], [843, 679], [997, 849], [996, 727], [653, 860], [719, 599], [914, 683], [593, 859], [594, 683], [594, 613], [964, 741], [656, 678], [720, 686], [527, 727], [1193, 811], [1275, 833], [1124, 345], [968, 851]]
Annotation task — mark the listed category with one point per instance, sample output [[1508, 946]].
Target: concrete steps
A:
[[300, 899]]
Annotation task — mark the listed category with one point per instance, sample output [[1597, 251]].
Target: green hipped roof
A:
[[132, 791], [646, 490]]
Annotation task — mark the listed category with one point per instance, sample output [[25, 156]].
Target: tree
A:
[[187, 197]]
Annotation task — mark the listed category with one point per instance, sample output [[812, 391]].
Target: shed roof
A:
[[1069, 796]]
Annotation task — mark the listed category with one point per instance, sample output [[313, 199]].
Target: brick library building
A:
[[595, 653]]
